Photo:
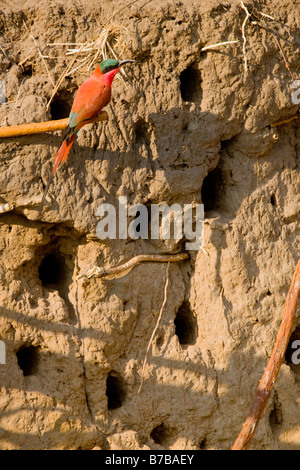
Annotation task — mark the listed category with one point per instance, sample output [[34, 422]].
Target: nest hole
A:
[[160, 340], [164, 435], [142, 133], [186, 325], [115, 391], [211, 188], [275, 416], [202, 444], [61, 104], [55, 273], [28, 359], [190, 84], [273, 200], [27, 70], [161, 435], [52, 270]]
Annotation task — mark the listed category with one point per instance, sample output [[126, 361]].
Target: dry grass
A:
[[111, 41], [257, 18]]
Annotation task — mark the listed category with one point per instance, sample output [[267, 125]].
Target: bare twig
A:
[[258, 23], [204, 250], [3, 52], [19, 91], [119, 11], [271, 371], [4, 121], [283, 56], [41, 127], [213, 46], [96, 271], [267, 16], [61, 78], [43, 60], [20, 64], [244, 34], [285, 121], [266, 28], [156, 326]]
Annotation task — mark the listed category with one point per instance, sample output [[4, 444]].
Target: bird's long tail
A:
[[63, 152], [60, 156]]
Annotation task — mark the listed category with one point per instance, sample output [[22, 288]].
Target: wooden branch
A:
[[285, 121], [41, 127], [271, 371], [96, 271]]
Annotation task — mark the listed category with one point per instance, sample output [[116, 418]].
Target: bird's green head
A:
[[108, 65], [111, 64]]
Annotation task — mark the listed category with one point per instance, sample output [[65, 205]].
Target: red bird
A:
[[91, 97]]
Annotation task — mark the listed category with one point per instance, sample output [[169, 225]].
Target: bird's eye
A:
[[109, 68]]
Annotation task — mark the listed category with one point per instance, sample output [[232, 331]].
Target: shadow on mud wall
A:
[[164, 433]]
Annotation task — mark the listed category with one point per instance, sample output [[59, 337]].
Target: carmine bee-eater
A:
[[91, 97]]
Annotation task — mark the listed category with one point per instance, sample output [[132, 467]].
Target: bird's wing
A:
[[89, 100]]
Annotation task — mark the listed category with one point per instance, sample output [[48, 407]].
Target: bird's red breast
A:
[[93, 95], [108, 77]]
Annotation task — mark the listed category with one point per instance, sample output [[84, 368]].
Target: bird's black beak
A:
[[127, 61]]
